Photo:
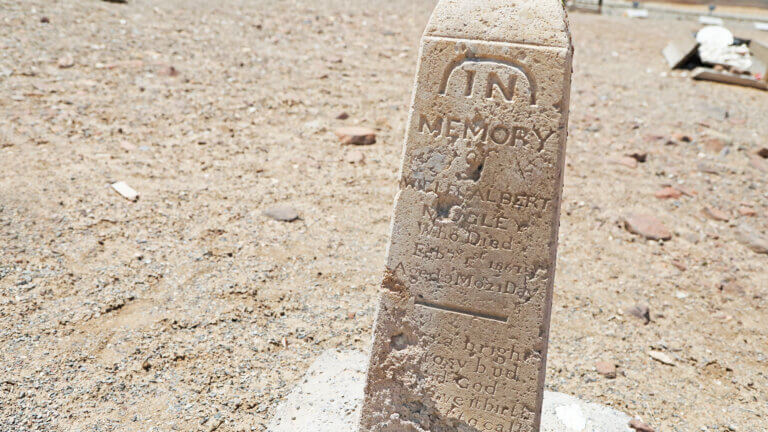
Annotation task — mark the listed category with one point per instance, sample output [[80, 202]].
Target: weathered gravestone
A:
[[460, 340]]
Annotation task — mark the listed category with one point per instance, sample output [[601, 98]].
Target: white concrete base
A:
[[329, 397]]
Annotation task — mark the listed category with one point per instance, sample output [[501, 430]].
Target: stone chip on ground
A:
[[667, 193], [125, 191], [752, 239], [356, 135], [282, 213], [647, 226], [329, 397], [639, 426], [715, 214]]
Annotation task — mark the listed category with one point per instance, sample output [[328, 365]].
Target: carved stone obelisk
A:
[[460, 341]]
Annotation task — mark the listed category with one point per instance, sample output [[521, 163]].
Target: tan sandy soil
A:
[[190, 310]]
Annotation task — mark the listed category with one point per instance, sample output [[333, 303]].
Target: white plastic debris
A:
[[125, 191], [717, 48]]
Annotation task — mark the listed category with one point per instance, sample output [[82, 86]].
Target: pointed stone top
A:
[[535, 22]]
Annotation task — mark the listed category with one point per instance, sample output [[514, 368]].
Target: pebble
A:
[[640, 311], [647, 226], [606, 369], [342, 116], [661, 357], [640, 426], [283, 213], [747, 211], [715, 214], [626, 161], [66, 61], [667, 193], [356, 135], [752, 239], [715, 142], [763, 152], [355, 157]]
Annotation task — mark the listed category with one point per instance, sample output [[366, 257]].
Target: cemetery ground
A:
[[190, 309]]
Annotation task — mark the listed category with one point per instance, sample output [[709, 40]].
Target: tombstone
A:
[[460, 340]]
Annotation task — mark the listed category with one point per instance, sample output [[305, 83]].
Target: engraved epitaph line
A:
[[460, 311]]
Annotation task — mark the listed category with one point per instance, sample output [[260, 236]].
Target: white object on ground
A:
[[708, 20], [761, 26], [329, 397], [716, 47], [636, 13], [126, 191]]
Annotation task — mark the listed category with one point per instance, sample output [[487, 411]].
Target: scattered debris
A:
[[661, 357], [66, 61], [679, 265], [606, 369], [282, 213], [355, 157], [668, 193], [125, 191], [168, 71], [715, 214], [714, 54], [752, 239], [627, 161], [356, 135], [640, 426], [715, 142], [636, 13], [747, 211], [647, 226], [640, 311]]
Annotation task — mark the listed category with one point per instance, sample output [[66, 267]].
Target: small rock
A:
[[342, 116], [747, 211], [606, 369], [283, 213], [125, 191], [45, 20], [66, 61], [356, 135], [667, 193], [640, 311], [679, 138], [709, 168], [355, 157], [687, 191], [640, 157], [763, 152], [627, 161], [640, 426], [146, 365], [715, 142], [661, 358], [731, 288], [168, 71], [679, 265], [752, 239], [647, 226], [715, 214]]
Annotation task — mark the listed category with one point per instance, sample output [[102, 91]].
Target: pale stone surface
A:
[[461, 334], [329, 398]]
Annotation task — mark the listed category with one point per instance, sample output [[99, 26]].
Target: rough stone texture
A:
[[331, 393], [461, 334]]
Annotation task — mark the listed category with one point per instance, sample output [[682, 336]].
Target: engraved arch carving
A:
[[493, 83]]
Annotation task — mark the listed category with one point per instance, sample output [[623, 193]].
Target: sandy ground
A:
[[190, 310]]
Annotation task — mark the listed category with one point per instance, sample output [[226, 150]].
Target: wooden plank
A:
[[709, 74]]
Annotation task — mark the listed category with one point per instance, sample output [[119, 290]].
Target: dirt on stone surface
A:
[[190, 309]]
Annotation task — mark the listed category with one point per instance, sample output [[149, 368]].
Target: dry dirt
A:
[[191, 310]]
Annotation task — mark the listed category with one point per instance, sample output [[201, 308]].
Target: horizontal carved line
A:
[[451, 309], [521, 44]]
